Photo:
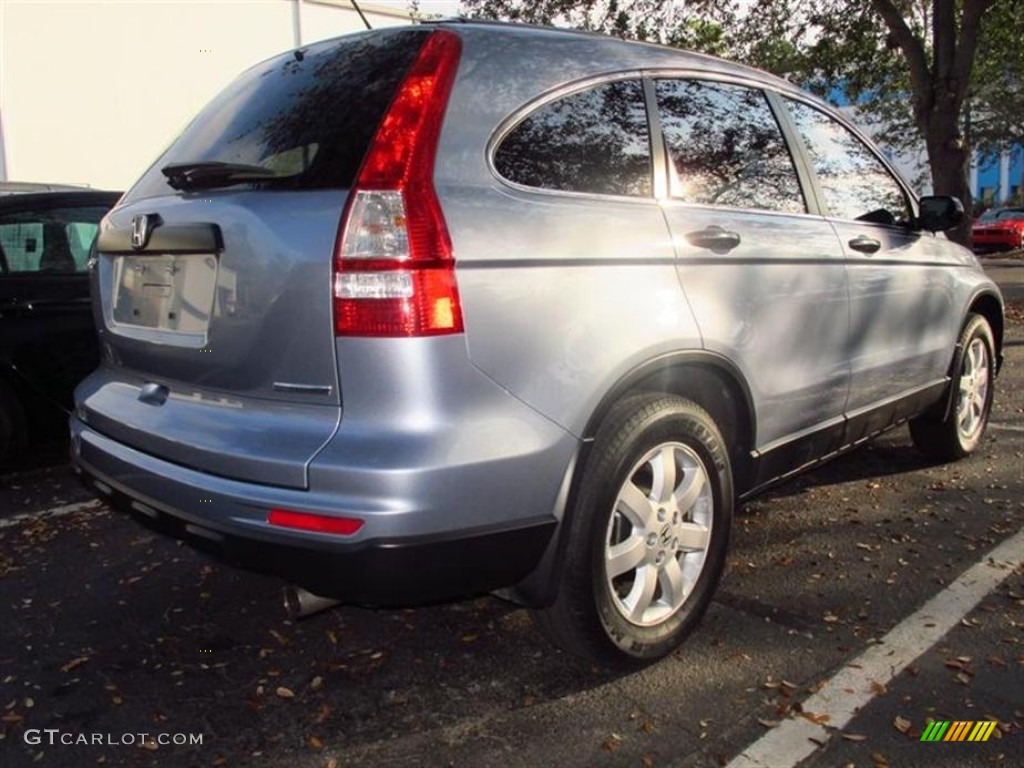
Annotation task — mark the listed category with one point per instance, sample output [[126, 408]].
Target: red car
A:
[[999, 229]]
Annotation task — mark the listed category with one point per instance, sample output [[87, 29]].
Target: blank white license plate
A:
[[167, 293]]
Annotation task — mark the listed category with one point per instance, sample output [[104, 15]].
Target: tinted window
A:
[[855, 183], [726, 147], [594, 141], [56, 241], [310, 121]]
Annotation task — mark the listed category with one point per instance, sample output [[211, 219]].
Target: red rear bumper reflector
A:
[[307, 521]]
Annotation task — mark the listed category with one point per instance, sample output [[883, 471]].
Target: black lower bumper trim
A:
[[392, 573]]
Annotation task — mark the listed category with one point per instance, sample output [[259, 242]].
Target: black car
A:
[[47, 340]]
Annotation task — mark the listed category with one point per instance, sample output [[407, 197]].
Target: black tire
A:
[[953, 435], [616, 617]]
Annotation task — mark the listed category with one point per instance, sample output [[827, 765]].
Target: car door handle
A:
[[714, 238], [865, 244]]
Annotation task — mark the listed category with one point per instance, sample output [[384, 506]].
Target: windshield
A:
[[302, 120], [1004, 215]]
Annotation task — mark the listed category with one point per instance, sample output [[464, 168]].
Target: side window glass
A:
[[52, 242], [22, 243], [80, 235], [595, 141], [855, 183], [726, 147]]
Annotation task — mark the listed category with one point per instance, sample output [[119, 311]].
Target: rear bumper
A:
[[227, 518]]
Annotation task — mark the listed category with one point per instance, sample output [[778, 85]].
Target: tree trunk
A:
[[949, 160]]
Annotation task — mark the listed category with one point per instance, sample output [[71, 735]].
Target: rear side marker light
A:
[[394, 272], [307, 521]]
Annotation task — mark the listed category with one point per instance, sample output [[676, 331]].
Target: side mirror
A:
[[940, 213]]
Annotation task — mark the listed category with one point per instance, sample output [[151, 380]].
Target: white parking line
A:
[[67, 509], [851, 688], [1005, 427]]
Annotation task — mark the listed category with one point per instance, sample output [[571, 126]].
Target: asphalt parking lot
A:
[[862, 602]]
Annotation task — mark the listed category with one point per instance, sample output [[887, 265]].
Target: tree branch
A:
[[911, 46], [970, 29]]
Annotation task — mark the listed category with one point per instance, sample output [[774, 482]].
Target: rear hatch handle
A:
[[149, 234]]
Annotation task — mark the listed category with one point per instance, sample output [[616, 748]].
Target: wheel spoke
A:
[[634, 504], [640, 596], [981, 380], [673, 591], [693, 537], [690, 489], [977, 357], [625, 556], [664, 481]]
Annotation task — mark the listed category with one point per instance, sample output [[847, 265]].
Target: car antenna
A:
[[361, 14]]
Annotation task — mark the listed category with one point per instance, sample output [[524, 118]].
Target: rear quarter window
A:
[[595, 141], [309, 115]]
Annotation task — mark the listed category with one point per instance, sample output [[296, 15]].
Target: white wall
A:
[[92, 91]]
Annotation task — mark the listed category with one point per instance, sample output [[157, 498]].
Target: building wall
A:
[[999, 176], [92, 91]]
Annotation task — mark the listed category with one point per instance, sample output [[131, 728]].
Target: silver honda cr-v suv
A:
[[429, 311]]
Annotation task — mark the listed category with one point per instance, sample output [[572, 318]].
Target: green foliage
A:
[[698, 25], [996, 99]]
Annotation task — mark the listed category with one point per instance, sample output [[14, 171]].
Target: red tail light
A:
[[394, 273]]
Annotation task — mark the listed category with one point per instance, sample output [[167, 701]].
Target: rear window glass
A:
[[308, 117], [595, 141]]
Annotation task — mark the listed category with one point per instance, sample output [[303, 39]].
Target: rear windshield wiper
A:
[[209, 174]]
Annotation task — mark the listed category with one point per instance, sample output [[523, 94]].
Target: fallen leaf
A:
[[901, 724], [769, 723], [817, 719], [647, 761], [11, 717], [879, 760], [878, 689], [315, 743], [469, 638], [317, 683], [611, 743], [285, 693], [962, 678], [75, 663], [322, 715], [854, 736], [279, 637]]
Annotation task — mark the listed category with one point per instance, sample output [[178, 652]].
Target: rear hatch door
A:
[[212, 281]]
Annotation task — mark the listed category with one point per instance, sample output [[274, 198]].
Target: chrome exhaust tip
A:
[[300, 603]]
